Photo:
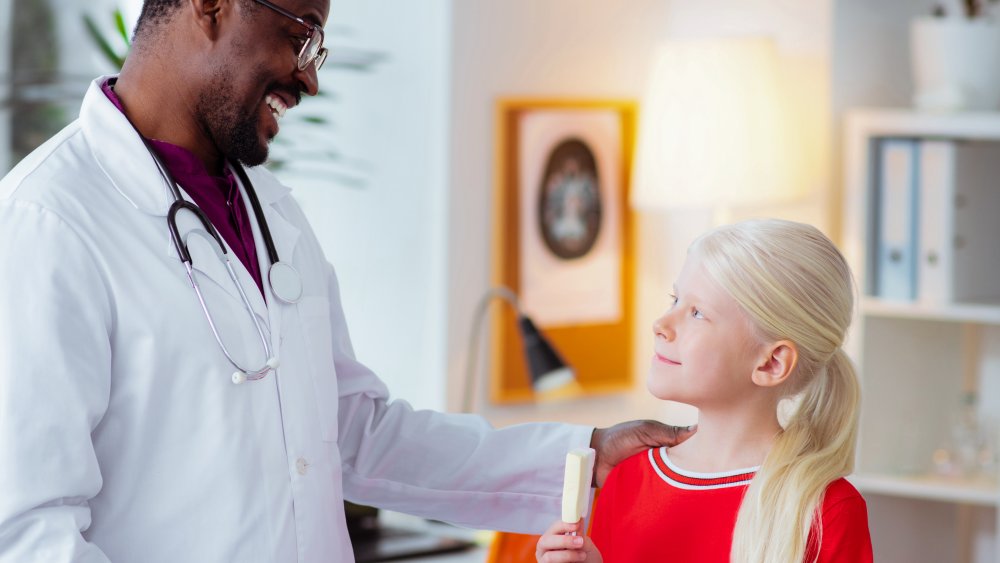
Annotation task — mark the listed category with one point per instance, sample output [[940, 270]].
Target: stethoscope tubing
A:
[[180, 244], [288, 294]]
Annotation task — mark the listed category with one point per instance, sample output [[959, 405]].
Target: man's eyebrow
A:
[[312, 16]]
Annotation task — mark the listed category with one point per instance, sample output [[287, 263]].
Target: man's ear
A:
[[206, 14], [776, 363]]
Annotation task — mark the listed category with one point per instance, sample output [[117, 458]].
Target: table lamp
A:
[[548, 370], [712, 129]]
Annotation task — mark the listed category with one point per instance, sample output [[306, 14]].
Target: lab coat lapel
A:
[[121, 154], [128, 164], [285, 234]]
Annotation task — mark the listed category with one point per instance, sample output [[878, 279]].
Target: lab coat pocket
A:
[[318, 338]]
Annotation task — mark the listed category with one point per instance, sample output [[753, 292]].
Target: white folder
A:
[[897, 199]]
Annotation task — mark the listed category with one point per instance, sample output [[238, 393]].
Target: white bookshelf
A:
[[916, 358], [982, 313], [982, 492]]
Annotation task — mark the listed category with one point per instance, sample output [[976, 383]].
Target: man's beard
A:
[[235, 133]]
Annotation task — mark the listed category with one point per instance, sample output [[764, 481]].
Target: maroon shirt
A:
[[218, 196]]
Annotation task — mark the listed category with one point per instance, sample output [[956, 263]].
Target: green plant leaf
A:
[[120, 25], [102, 43]]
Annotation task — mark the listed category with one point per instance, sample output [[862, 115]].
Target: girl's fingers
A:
[[560, 527], [553, 542], [558, 546], [563, 557]]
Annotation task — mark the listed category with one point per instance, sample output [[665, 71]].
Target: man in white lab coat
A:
[[126, 433]]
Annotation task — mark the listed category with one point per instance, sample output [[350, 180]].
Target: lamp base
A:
[[570, 390]]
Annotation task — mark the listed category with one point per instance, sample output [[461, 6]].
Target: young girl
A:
[[759, 315]]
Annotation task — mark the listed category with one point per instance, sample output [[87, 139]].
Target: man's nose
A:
[[308, 79]]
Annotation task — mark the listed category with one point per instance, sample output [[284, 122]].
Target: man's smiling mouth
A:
[[278, 107]]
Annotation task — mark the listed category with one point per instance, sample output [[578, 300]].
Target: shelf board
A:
[[981, 491], [911, 123], [985, 313]]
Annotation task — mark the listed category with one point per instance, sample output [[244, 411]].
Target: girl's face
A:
[[704, 347]]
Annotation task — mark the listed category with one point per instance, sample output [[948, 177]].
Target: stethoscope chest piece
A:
[[286, 284]]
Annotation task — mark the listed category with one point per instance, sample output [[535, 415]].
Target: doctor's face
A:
[[260, 79]]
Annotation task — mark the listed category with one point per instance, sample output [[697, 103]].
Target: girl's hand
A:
[[555, 546]]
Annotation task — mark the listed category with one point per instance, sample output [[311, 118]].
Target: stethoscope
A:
[[284, 280]]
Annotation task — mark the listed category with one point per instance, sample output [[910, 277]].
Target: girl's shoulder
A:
[[841, 491], [631, 468], [845, 534]]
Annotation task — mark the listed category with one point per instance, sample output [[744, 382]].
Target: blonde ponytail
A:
[[816, 448], [794, 285]]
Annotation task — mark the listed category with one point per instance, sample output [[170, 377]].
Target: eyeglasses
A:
[[313, 50]]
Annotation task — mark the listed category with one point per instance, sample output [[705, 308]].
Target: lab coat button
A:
[[302, 466]]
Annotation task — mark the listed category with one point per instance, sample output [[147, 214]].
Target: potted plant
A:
[[956, 56]]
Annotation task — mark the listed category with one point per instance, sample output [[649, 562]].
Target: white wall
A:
[[870, 63], [387, 239], [591, 48]]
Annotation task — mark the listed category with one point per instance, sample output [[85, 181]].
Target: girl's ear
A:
[[776, 364]]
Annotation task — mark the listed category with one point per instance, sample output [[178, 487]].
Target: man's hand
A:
[[629, 438]]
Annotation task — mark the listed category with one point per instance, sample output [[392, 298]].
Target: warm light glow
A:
[[713, 130]]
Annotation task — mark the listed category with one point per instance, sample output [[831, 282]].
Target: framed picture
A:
[[562, 238]]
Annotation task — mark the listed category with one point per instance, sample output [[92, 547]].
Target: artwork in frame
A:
[[562, 239]]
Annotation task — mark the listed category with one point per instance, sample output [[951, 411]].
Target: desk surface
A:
[[474, 555]]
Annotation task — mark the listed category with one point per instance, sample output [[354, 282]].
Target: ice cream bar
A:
[[576, 484]]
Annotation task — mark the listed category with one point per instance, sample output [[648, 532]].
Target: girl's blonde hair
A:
[[794, 285]]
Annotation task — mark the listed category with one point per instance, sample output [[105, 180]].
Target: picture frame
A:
[[563, 239]]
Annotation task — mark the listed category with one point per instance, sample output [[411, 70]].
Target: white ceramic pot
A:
[[956, 64]]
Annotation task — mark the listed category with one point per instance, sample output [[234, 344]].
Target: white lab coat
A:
[[122, 436]]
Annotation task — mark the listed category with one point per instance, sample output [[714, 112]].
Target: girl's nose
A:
[[664, 327]]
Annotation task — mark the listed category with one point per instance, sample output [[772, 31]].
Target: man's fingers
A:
[[626, 439], [678, 434]]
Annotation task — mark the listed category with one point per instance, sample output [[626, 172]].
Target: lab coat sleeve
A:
[[452, 467], [54, 386]]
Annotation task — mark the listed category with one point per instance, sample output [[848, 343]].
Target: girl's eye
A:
[[673, 300], [697, 314]]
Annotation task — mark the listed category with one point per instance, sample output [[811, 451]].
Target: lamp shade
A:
[[713, 130], [547, 368], [550, 374]]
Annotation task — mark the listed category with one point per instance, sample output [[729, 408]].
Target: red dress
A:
[[650, 510]]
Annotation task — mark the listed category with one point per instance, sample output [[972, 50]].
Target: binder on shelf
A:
[[935, 240], [896, 204], [975, 277], [958, 257]]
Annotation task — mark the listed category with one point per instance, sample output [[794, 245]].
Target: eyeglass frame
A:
[[320, 57]]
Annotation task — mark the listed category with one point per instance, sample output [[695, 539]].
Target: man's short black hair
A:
[[156, 12]]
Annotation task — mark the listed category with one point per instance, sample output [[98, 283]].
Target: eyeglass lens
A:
[[313, 51]]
